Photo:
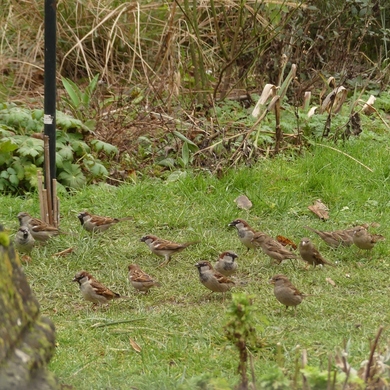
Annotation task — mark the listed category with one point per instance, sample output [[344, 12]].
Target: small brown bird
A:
[[285, 292], [41, 231], [93, 291], [164, 248], [310, 253], [212, 279], [336, 238], [226, 263], [272, 248], [24, 241], [245, 232], [364, 240], [140, 280], [96, 223]]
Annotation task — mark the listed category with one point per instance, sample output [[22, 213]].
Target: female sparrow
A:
[[96, 223], [336, 238], [164, 248], [272, 248], [310, 253], [364, 240], [24, 241], [245, 232], [93, 291], [212, 279], [285, 292], [226, 263], [140, 280], [41, 231]]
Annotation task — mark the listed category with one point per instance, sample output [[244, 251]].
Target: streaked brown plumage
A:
[[212, 279], [97, 223], [272, 248], [365, 240], [164, 248], [285, 292], [140, 280], [94, 291], [310, 253]]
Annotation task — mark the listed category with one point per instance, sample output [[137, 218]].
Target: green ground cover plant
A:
[[179, 328]]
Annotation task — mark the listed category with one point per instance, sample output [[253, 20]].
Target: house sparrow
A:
[[336, 238], [364, 240], [96, 223], [245, 232], [285, 292], [226, 263], [24, 241], [41, 231], [310, 253], [93, 291], [164, 248], [272, 248], [212, 279], [140, 280]]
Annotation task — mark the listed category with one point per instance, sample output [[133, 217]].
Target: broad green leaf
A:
[[59, 160], [175, 176], [184, 138], [167, 162], [98, 170], [31, 147], [72, 176], [19, 168], [87, 95], [185, 154], [7, 145], [67, 122], [30, 173], [104, 146], [80, 147], [73, 91], [66, 152], [14, 179]]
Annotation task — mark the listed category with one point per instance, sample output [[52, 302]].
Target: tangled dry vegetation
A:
[[176, 79]]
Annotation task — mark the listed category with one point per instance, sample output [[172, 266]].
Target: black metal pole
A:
[[50, 89]]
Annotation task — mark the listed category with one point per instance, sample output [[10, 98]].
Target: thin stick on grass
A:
[[100, 325], [347, 155], [55, 203], [373, 348], [40, 194]]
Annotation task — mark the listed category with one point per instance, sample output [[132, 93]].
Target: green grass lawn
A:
[[179, 327]]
